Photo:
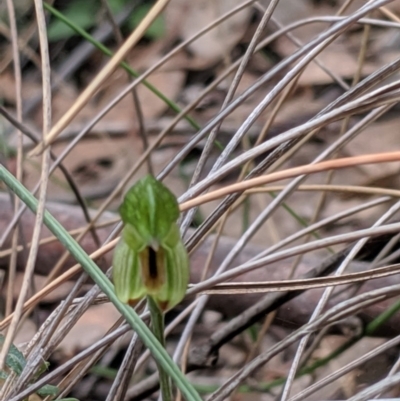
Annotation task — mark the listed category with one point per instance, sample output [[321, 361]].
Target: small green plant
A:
[[151, 259], [15, 362]]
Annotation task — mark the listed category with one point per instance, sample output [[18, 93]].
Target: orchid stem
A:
[[157, 324]]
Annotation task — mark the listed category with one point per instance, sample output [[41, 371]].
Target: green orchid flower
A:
[[150, 258]]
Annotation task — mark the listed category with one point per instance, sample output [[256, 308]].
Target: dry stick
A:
[[125, 372], [35, 351], [182, 349], [387, 95], [77, 358], [53, 337], [367, 102], [41, 22], [375, 389], [286, 93], [344, 7], [18, 96], [293, 251], [368, 83], [396, 365], [101, 77], [299, 43], [82, 369], [183, 353], [386, 12], [230, 207], [263, 306], [221, 224], [212, 220], [41, 348]]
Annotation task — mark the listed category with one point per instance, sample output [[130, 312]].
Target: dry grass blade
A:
[[43, 189], [18, 93], [281, 175], [295, 285]]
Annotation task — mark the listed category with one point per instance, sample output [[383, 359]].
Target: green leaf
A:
[[15, 360], [47, 390]]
